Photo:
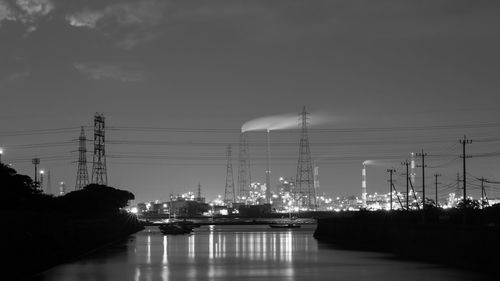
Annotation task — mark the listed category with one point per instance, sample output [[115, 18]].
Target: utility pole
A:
[[406, 163], [482, 192], [423, 176], [436, 182], [390, 171], [464, 142], [49, 183]]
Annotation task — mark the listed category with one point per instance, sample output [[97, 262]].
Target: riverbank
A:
[[34, 241], [442, 237], [233, 221]]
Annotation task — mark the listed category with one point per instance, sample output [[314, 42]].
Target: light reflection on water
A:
[[242, 253]]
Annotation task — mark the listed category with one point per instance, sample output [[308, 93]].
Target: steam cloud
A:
[[283, 122], [376, 162]]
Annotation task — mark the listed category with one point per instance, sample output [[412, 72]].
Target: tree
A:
[[15, 188], [96, 198], [469, 204]]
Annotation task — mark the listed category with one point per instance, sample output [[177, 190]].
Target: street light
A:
[[36, 162], [62, 188], [1, 152], [41, 179]]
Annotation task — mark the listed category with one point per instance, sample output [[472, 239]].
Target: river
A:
[[242, 253]]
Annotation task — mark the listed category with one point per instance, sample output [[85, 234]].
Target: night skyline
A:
[[176, 81]]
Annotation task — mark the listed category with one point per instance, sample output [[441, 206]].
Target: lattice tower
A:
[[99, 174], [82, 175], [229, 195], [244, 174], [306, 194]]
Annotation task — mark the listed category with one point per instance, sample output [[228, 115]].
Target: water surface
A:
[[242, 253]]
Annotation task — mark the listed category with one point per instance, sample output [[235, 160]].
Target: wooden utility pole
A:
[[390, 184], [436, 182], [423, 177], [464, 142], [406, 163], [482, 192]]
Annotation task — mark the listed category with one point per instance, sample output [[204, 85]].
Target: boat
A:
[[284, 225], [175, 228]]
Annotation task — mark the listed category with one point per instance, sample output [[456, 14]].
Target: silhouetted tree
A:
[[95, 198], [469, 204], [15, 188]]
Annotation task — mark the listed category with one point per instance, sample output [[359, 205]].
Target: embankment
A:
[[32, 242], [442, 238]]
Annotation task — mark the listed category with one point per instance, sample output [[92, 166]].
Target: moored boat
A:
[[175, 228], [284, 225]]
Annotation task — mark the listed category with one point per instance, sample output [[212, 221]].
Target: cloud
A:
[[85, 18], [25, 11], [146, 12], [121, 72], [6, 12], [35, 8]]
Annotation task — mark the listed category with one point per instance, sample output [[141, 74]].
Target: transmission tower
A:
[[244, 175], [99, 174], [229, 196], [305, 179], [82, 175]]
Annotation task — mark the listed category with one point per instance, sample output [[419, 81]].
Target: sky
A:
[[176, 81]]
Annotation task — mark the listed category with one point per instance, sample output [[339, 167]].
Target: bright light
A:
[[42, 172], [224, 212], [1, 150], [134, 210]]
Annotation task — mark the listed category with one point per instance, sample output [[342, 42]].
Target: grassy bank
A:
[[32, 242], [442, 236]]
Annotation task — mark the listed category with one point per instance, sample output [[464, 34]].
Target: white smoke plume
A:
[[285, 121], [377, 162]]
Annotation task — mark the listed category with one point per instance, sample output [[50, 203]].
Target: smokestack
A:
[[268, 169], [363, 185]]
